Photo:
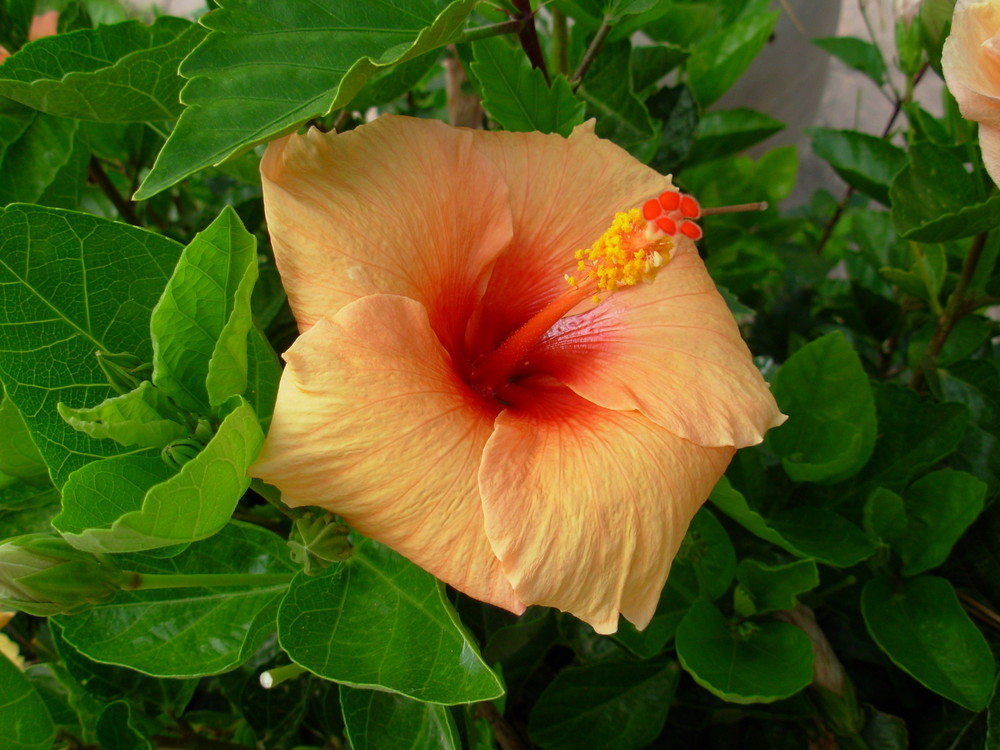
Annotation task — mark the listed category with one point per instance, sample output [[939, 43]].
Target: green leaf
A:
[[188, 632], [18, 455], [72, 284], [830, 432], [379, 621], [200, 325], [677, 113], [144, 417], [25, 723], [805, 532], [723, 132], [771, 588], [616, 705], [610, 96], [914, 434], [516, 95], [921, 626], [134, 503], [121, 73], [884, 515], [856, 53], [934, 199], [993, 719], [863, 161], [651, 62], [15, 20], [940, 507], [748, 662], [115, 730], [702, 569], [719, 59], [374, 719], [241, 94]]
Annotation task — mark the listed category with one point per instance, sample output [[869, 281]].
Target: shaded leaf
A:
[[723, 132], [116, 731], [770, 588], [610, 96], [863, 161], [375, 719], [25, 723]]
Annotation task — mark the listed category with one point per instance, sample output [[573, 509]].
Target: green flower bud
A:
[[43, 575], [316, 543], [124, 371], [179, 452]]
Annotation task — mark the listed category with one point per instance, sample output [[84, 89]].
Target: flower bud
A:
[[43, 575], [123, 371], [316, 543]]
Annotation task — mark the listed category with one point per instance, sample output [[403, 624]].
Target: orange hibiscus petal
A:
[[669, 349], [587, 507], [372, 423], [564, 194], [399, 206]]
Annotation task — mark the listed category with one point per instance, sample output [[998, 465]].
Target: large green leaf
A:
[[188, 632], [117, 731], [859, 54], [749, 662], [830, 432], [610, 96], [18, 455], [200, 325], [615, 705], [770, 588], [125, 72], [133, 503], [920, 624], [267, 67], [865, 162], [516, 95], [719, 59], [935, 200], [25, 723], [723, 132], [374, 719], [72, 285], [379, 621]]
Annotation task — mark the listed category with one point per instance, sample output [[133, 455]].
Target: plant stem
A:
[[126, 208], [560, 42], [591, 54], [529, 38], [952, 311], [504, 733], [513, 26], [274, 677], [148, 581]]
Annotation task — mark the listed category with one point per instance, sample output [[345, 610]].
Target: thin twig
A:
[[513, 26], [560, 42], [591, 54], [504, 733], [529, 38], [976, 609], [126, 208]]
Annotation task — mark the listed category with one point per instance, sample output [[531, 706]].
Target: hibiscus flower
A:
[[971, 64], [489, 380]]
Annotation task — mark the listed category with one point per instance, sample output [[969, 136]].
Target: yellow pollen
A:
[[624, 255]]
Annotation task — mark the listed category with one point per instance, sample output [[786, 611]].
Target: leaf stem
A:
[[273, 677], [529, 38], [504, 733], [126, 208], [513, 26], [560, 43], [149, 581], [952, 311], [591, 54]]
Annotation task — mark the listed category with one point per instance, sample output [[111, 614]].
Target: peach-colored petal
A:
[[970, 60], [669, 349], [564, 194], [989, 144], [44, 24], [372, 423], [587, 507], [399, 206]]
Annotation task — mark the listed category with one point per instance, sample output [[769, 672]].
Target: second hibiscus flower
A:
[[488, 380]]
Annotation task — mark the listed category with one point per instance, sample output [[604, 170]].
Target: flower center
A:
[[634, 248]]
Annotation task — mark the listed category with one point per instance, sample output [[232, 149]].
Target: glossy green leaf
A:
[[516, 95], [719, 59], [72, 284], [935, 200], [885, 515], [126, 72], [144, 417], [830, 432], [241, 93], [746, 662], [607, 88], [939, 507], [188, 632], [651, 62], [921, 626], [976, 383], [379, 621], [25, 723], [859, 54], [200, 325], [770, 588], [814, 533], [675, 109], [129, 504], [702, 569], [374, 719], [863, 161], [914, 434], [617, 705], [116, 730], [724, 132], [18, 455]]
